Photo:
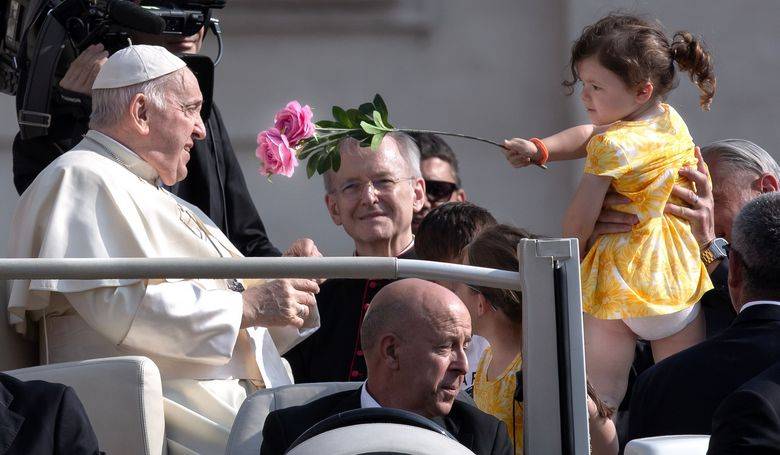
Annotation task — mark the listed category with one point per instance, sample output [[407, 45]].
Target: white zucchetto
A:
[[135, 64]]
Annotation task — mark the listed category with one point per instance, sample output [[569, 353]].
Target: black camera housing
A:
[[41, 37]]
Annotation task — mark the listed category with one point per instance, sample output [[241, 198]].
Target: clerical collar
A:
[[115, 151], [405, 250]]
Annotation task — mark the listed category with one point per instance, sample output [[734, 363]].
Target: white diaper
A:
[[657, 327]]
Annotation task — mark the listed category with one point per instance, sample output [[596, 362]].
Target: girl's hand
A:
[[519, 152]]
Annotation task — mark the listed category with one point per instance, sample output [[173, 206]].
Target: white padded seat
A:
[[685, 444], [122, 397], [380, 438], [246, 436]]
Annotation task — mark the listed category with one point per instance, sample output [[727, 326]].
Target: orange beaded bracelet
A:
[[541, 149]]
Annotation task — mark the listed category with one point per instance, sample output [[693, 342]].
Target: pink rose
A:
[[275, 152], [295, 122]]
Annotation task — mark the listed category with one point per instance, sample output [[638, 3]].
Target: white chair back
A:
[[246, 436], [122, 397], [684, 444]]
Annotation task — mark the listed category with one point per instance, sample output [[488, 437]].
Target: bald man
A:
[[413, 338]]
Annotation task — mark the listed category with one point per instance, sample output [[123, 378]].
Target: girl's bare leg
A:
[[694, 333], [609, 353]]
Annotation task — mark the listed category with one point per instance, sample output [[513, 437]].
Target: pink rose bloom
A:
[[295, 122], [275, 152]]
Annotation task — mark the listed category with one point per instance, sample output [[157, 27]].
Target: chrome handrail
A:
[[285, 267]]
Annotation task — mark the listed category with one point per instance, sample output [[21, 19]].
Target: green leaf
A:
[[370, 129], [335, 160], [376, 141], [324, 164], [381, 106], [341, 116], [378, 120], [311, 165], [329, 124], [366, 109]]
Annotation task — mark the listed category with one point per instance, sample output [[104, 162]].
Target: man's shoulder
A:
[[318, 409], [473, 416], [79, 166], [31, 393]]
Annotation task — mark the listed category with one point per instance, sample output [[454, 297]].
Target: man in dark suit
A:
[[680, 394], [748, 420], [38, 417], [413, 337]]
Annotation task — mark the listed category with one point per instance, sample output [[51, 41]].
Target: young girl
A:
[[496, 314], [646, 282]]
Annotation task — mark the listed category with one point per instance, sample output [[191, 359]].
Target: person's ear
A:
[[736, 279], [482, 304], [333, 209], [389, 351], [644, 92], [139, 113], [460, 195], [768, 183], [418, 188]]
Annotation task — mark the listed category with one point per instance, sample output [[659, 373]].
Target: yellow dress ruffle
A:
[[496, 397], [655, 268]]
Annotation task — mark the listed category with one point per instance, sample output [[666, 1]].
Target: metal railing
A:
[[332, 267]]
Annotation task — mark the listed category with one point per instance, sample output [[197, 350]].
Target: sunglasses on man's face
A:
[[438, 191]]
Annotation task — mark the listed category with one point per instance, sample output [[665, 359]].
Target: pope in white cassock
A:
[[102, 199]]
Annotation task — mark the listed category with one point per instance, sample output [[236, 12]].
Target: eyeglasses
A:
[[383, 186], [439, 191]]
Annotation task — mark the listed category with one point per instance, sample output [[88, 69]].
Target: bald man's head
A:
[[413, 338], [403, 304]]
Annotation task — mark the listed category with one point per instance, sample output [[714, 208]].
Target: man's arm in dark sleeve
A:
[[245, 228], [744, 423], [274, 440], [73, 433]]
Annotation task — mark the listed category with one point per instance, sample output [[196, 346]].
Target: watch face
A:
[[720, 247]]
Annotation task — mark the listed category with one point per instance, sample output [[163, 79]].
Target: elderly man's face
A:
[[440, 187], [731, 190], [432, 359], [374, 195], [174, 129]]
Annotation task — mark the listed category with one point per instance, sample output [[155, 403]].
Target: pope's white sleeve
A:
[[179, 320]]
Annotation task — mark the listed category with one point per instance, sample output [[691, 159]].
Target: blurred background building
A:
[[491, 68]]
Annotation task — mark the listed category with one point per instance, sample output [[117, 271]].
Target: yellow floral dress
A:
[[496, 397], [655, 268]]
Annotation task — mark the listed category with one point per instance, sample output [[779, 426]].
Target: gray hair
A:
[[756, 238], [109, 105], [742, 155], [406, 146]]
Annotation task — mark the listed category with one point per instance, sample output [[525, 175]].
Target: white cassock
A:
[[100, 200]]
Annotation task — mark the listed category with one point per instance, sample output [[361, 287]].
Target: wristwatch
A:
[[715, 250]]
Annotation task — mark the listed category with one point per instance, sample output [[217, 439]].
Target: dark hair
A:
[[755, 239], [496, 247], [639, 51], [433, 146], [448, 228]]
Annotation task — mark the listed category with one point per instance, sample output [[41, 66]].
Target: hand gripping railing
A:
[[334, 267]]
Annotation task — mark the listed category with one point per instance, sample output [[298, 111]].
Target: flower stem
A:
[[464, 136]]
